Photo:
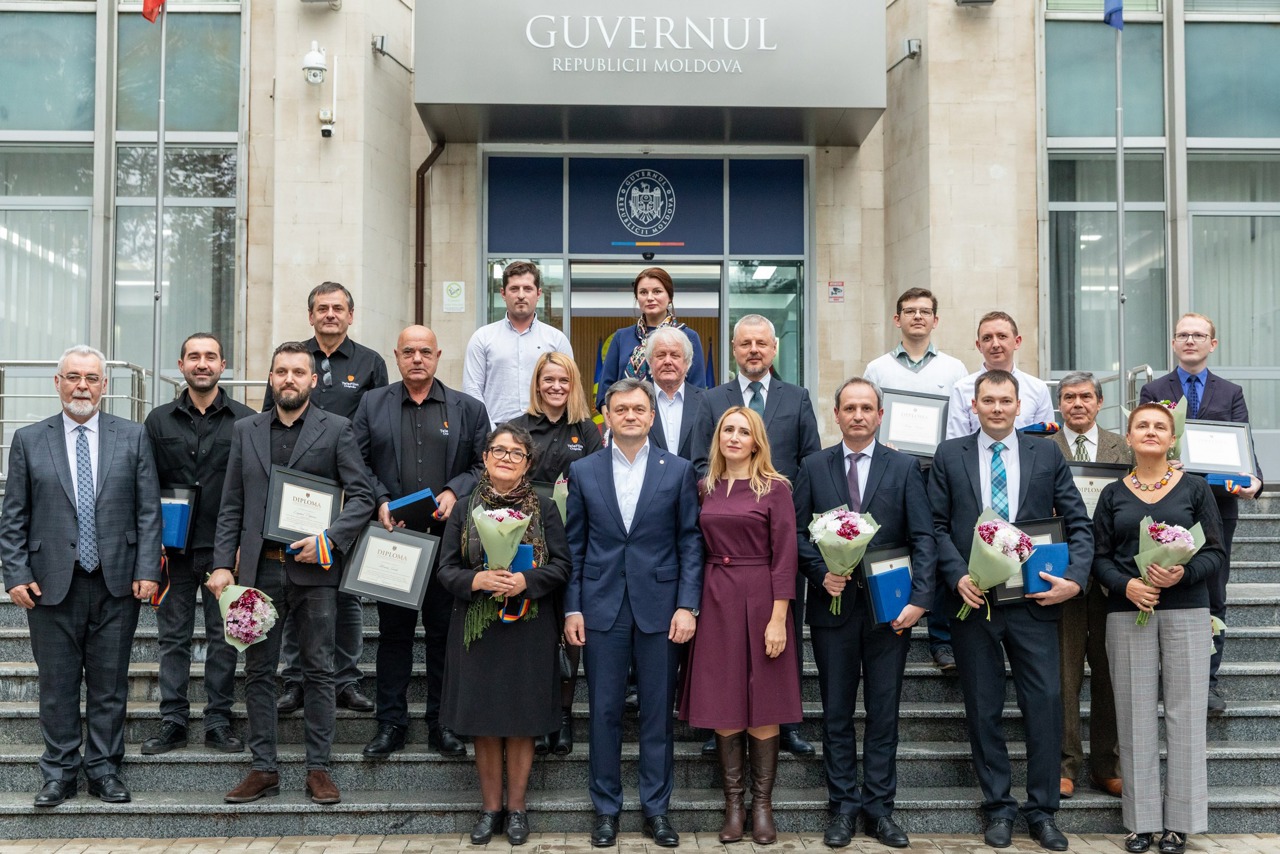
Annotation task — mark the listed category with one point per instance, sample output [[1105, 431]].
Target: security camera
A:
[[326, 130], [314, 65], [648, 256]]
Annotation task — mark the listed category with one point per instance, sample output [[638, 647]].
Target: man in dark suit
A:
[[849, 646], [633, 595], [80, 542], [417, 434], [1082, 632], [670, 354], [1209, 398], [1021, 478], [792, 429], [310, 440]]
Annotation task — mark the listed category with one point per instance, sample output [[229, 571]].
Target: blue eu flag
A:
[[1113, 13]]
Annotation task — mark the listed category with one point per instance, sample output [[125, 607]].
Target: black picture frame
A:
[[1199, 437], [367, 573], [899, 403], [283, 480], [1090, 478], [180, 494], [1055, 529]]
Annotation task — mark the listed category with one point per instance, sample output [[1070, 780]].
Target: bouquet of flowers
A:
[[1216, 627], [560, 495], [1166, 545], [842, 537], [247, 615], [500, 531], [1179, 411], [996, 555]]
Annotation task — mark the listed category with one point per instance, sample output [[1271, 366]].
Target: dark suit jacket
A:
[[326, 448], [658, 564], [895, 497], [789, 422], [377, 430], [1111, 447], [688, 424], [38, 528], [1045, 489]]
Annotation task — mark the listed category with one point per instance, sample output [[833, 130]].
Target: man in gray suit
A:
[[307, 439], [80, 541]]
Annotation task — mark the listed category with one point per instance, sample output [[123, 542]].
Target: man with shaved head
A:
[[417, 434]]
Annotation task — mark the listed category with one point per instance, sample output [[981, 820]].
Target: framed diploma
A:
[[1090, 478], [886, 573], [1217, 447], [178, 505], [299, 505], [913, 423], [391, 566], [1041, 532]]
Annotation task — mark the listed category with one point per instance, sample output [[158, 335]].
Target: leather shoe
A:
[[351, 698], [171, 737], [387, 741], [1173, 842], [290, 700], [1217, 703], [944, 658], [1137, 843], [55, 792], [1047, 834], [222, 740], [109, 789], [999, 833], [660, 830], [887, 832], [442, 740], [517, 827], [1113, 786], [321, 789], [256, 784], [792, 742], [541, 745], [709, 746], [839, 831], [606, 832], [491, 822], [1066, 787]]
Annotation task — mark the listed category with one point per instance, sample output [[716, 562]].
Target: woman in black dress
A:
[[503, 687], [562, 431]]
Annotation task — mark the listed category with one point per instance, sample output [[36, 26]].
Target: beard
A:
[[79, 407], [293, 402]]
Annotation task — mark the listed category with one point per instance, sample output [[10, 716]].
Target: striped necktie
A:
[[1082, 453], [999, 482]]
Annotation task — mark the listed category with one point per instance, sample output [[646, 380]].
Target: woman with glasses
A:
[[562, 431], [655, 295], [502, 679]]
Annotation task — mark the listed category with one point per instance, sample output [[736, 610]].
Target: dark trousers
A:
[[1032, 646], [875, 655], [1218, 598], [348, 644], [1082, 634], [313, 609], [797, 615], [84, 639], [176, 622], [396, 626]]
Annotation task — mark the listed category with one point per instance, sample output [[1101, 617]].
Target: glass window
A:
[[46, 170], [202, 83], [47, 65], [1243, 7], [1075, 177], [44, 277], [774, 289], [1096, 6], [1080, 79], [190, 173], [550, 309], [1233, 177], [1233, 80]]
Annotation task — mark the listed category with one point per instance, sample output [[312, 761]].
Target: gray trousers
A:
[[313, 611], [176, 622], [1169, 656], [348, 645]]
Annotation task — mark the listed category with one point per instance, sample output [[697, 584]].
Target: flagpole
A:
[[1120, 269], [159, 262]]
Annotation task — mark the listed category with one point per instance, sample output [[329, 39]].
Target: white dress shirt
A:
[[498, 368], [671, 411], [864, 467], [1090, 441], [1037, 404], [1012, 469], [743, 382], [92, 434], [628, 479]]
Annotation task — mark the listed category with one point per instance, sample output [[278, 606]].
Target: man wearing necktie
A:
[[1022, 479], [80, 542], [1209, 398]]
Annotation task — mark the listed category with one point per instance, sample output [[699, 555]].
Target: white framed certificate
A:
[[1217, 447], [1092, 478], [913, 423]]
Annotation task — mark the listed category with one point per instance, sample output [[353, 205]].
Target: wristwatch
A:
[[693, 611]]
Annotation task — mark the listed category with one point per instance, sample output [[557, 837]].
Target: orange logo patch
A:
[[573, 439], [351, 378]]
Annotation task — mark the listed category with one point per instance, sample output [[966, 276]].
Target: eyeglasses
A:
[[516, 456], [76, 379], [916, 312], [1198, 337], [326, 375]]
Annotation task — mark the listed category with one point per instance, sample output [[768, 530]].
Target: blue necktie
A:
[[999, 482], [756, 403], [85, 502], [1193, 397]]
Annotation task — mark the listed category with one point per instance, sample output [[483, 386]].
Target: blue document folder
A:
[[175, 515], [1241, 480], [889, 592], [415, 510], [1052, 558]]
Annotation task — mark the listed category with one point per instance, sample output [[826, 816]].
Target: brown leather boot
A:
[[730, 750], [258, 784], [764, 767], [321, 788]]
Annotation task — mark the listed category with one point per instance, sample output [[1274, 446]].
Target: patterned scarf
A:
[[638, 366], [484, 610]]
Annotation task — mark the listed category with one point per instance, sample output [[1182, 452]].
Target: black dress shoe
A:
[[1047, 834], [290, 700], [887, 832], [1173, 842], [1217, 703], [171, 737], [442, 740], [1137, 843], [387, 741], [109, 789], [55, 792], [839, 831], [562, 743], [541, 745], [709, 746], [491, 822], [999, 833], [351, 698], [944, 658], [517, 827], [221, 739], [660, 830], [793, 743], [632, 699], [606, 833]]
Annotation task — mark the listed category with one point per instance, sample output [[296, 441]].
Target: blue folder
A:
[[1241, 480], [175, 515], [1052, 558], [415, 510], [889, 592]]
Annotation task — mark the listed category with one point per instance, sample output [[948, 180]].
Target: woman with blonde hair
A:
[[738, 682]]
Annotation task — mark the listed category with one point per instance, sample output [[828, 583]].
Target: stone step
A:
[[1255, 571], [1252, 547]]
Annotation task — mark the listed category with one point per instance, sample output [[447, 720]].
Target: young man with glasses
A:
[[916, 365]]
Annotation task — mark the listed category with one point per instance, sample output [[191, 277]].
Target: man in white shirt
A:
[[915, 364], [501, 356], [670, 355], [998, 341]]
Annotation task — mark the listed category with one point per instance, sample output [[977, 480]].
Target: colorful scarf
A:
[[484, 609], [638, 365]]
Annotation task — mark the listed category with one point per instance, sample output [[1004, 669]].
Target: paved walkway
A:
[[554, 843]]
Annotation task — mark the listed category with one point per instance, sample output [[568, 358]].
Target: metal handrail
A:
[[1131, 387]]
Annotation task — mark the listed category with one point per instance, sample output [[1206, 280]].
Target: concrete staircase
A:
[[180, 794]]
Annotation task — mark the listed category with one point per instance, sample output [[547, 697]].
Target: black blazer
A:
[[1045, 488], [789, 422], [895, 497], [688, 424]]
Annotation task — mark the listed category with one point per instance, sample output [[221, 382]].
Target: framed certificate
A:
[[391, 566], [913, 423], [1041, 532], [1090, 479], [299, 505], [178, 506], [1217, 447], [886, 574]]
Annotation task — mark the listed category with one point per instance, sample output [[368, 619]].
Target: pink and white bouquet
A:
[[1166, 545], [996, 555], [842, 537], [247, 615], [500, 531]]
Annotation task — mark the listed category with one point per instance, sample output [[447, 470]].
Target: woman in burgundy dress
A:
[[739, 682]]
